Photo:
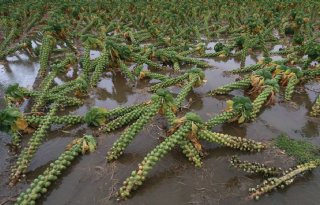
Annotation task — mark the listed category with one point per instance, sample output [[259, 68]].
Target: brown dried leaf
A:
[[28, 130], [193, 138]]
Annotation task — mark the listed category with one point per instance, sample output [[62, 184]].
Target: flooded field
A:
[[91, 180], [159, 102]]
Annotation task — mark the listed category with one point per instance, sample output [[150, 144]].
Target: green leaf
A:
[[96, 116]]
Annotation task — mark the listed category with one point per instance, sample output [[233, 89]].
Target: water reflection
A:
[[116, 88]]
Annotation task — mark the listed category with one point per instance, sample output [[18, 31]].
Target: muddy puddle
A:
[[90, 180]]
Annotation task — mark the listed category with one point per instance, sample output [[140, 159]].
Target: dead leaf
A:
[[28, 130], [193, 138]]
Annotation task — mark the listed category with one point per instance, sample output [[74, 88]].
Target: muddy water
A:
[[90, 180]]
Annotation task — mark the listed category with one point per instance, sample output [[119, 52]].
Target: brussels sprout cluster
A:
[[40, 185], [196, 72], [255, 67], [169, 82], [128, 135], [169, 114], [33, 145], [48, 80], [39, 103], [89, 26], [95, 116], [60, 120], [282, 181], [58, 93], [137, 70], [316, 108], [190, 151], [152, 75], [102, 63], [186, 89], [125, 70], [244, 51], [142, 59], [293, 81], [45, 50], [197, 48], [138, 177], [16, 139], [261, 100], [79, 84], [51, 97], [123, 120], [220, 119], [119, 111], [214, 54], [9, 38], [44, 87], [250, 68], [311, 73], [64, 86], [69, 101], [254, 167], [86, 65], [176, 66], [14, 49], [242, 144], [194, 61], [225, 89], [282, 52]]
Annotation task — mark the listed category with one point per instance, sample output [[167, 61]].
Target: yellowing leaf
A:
[[255, 81], [85, 147], [229, 105], [277, 71], [261, 82], [21, 124], [241, 119], [291, 75], [194, 129], [142, 75]]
